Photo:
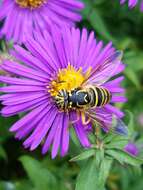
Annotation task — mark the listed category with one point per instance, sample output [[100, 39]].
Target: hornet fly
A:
[[92, 94]]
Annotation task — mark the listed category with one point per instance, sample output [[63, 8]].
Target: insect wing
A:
[[108, 123], [93, 116], [102, 119], [119, 127], [106, 70]]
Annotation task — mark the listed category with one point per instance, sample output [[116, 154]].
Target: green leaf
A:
[[130, 123], [18, 185], [104, 170], [96, 20], [112, 140], [133, 77], [117, 142], [84, 155], [74, 137], [88, 176], [23, 185], [7, 185], [134, 59], [124, 158], [109, 137], [41, 177], [99, 25], [93, 176], [3, 153]]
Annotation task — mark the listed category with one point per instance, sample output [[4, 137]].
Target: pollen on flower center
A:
[[30, 3], [68, 79]]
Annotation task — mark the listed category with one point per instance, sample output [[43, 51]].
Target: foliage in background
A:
[[23, 170]]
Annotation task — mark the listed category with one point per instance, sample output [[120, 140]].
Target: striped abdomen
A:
[[99, 96]]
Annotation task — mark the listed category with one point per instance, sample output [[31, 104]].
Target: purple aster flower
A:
[[53, 65], [132, 149], [132, 3], [22, 17]]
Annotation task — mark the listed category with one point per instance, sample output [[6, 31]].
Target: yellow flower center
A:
[[68, 79], [30, 3]]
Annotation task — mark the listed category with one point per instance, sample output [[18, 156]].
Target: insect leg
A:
[[83, 119]]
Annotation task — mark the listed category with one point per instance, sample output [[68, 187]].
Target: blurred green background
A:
[[23, 170]]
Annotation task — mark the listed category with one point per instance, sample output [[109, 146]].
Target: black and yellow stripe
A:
[[80, 98], [101, 96]]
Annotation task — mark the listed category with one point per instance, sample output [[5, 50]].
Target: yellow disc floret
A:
[[67, 79], [30, 3]]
